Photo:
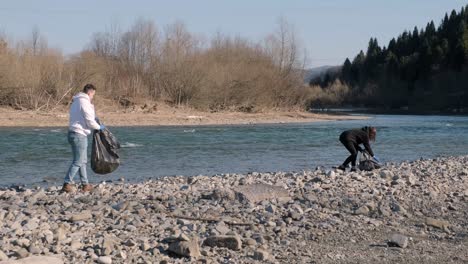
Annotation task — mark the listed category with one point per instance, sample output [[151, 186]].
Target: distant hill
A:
[[319, 72]]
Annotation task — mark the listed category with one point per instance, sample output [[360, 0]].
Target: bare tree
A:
[[35, 39]]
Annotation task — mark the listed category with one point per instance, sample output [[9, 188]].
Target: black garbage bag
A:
[[367, 163], [104, 156]]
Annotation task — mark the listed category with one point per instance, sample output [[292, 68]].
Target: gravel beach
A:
[[410, 212]]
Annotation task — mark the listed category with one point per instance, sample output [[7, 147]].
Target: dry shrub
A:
[[333, 95], [31, 77], [171, 65]]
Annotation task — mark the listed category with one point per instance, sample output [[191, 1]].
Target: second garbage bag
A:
[[104, 156], [368, 163]]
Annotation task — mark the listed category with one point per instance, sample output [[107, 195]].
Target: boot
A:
[[87, 187], [342, 167], [67, 187]]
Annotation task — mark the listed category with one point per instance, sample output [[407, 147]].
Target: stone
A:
[[259, 192], [21, 253], [104, 260], [411, 180], [183, 222], [222, 194], [31, 225], [60, 234], [35, 260], [261, 255], [122, 255], [75, 245], [145, 246], [131, 243], [81, 217], [34, 250], [107, 246], [297, 208], [363, 210], [397, 240], [271, 209], [384, 209], [250, 242], [185, 248], [122, 206], [48, 236], [441, 224], [295, 216], [3, 256], [183, 237], [386, 174], [231, 242], [131, 228], [396, 207], [23, 242], [222, 228]]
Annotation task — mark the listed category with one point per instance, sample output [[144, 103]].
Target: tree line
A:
[[169, 65], [422, 69]]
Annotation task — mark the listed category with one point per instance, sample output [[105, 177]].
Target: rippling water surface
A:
[[42, 155]]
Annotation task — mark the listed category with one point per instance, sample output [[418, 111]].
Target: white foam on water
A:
[[56, 130], [189, 131], [130, 145], [448, 124]]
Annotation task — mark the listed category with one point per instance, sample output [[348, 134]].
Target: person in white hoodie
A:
[[82, 122]]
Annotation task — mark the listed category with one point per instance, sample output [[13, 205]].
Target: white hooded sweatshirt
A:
[[82, 115]]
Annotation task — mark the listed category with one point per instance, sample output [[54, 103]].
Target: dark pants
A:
[[353, 149]]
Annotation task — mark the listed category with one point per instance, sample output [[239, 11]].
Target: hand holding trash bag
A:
[[376, 159]]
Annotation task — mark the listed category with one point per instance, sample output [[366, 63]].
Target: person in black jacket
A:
[[351, 139]]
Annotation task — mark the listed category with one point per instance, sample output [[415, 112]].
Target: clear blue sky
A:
[[330, 30]]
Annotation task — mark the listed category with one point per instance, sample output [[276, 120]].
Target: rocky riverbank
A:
[[411, 212]]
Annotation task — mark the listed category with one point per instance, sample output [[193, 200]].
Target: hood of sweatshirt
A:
[[81, 95]]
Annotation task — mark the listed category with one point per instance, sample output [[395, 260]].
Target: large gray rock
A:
[[397, 240], [231, 242], [35, 260], [363, 210], [259, 192], [441, 224], [21, 253], [81, 216], [104, 260], [386, 174], [186, 248], [261, 255], [107, 246], [222, 194]]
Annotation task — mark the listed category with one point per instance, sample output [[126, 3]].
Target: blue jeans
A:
[[79, 145]]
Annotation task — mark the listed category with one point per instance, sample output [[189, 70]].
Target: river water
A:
[[41, 156]]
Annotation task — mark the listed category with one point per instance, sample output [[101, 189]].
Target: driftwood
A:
[[209, 220]]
